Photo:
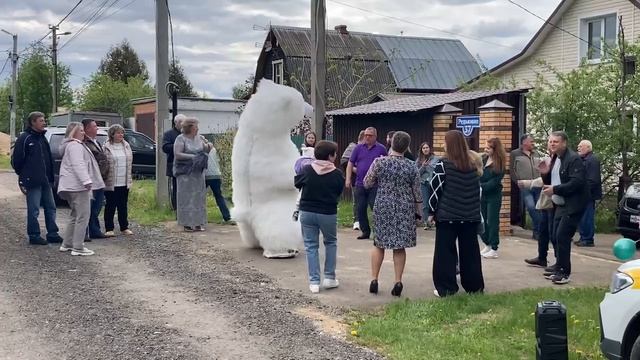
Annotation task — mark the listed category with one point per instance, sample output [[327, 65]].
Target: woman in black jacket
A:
[[455, 207]]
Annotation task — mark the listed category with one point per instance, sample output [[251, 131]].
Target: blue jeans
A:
[[36, 197], [587, 223], [312, 224], [426, 192], [530, 198], [216, 187], [97, 202]]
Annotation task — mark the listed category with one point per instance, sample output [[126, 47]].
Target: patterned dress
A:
[[394, 210], [191, 193]]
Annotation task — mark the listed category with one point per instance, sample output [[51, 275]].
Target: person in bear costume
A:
[[262, 163]]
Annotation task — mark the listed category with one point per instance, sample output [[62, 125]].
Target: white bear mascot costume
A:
[[264, 196]]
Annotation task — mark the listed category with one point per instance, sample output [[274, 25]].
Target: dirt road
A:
[[150, 296]]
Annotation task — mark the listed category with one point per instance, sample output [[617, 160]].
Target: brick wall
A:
[[441, 124], [498, 123]]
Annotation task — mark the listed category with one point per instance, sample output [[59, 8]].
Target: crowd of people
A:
[[459, 193], [94, 175]]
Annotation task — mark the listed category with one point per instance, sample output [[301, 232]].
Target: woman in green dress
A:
[[491, 200]]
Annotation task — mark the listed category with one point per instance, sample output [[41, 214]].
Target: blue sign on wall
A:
[[468, 123]]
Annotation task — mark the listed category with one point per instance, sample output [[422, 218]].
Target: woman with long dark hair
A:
[[455, 207], [493, 165], [426, 164]]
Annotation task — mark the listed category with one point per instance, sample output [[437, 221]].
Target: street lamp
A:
[[54, 62], [12, 98]]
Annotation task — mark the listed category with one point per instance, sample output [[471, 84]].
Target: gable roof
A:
[[416, 103], [414, 63], [541, 34]]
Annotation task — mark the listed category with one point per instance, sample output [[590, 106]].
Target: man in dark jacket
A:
[[90, 140], [569, 194], [32, 161], [168, 138], [594, 181]]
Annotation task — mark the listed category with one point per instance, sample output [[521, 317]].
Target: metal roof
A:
[[416, 103], [426, 63], [415, 63]]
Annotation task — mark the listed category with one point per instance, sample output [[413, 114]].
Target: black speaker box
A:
[[551, 331]]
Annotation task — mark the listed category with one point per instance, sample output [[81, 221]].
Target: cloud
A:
[[216, 42]]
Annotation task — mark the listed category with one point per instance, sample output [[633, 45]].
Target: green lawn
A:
[[143, 210], [495, 326], [5, 162]]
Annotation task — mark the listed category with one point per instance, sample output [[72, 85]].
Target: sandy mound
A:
[[5, 143]]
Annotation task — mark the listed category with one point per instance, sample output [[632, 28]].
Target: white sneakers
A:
[[63, 248], [356, 225], [81, 252], [485, 249], [491, 254], [326, 284]]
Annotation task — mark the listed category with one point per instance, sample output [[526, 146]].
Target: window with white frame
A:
[[600, 34], [277, 74]]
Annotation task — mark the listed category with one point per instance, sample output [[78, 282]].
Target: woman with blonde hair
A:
[[118, 183], [455, 207], [79, 176], [494, 164], [191, 157]]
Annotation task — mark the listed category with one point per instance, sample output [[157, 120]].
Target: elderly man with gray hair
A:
[[594, 180], [168, 139]]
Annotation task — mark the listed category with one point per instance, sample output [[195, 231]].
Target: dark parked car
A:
[[142, 147], [628, 223]]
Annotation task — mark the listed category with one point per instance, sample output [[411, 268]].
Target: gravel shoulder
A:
[[155, 295]]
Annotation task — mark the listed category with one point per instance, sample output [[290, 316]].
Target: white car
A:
[[620, 314]]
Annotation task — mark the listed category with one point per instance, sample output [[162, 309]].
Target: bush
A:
[[224, 144]]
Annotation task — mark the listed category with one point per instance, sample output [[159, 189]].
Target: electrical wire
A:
[[69, 13], [173, 54], [92, 20], [547, 22], [424, 26], [4, 66]]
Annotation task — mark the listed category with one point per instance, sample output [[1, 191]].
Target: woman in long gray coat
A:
[[190, 159]]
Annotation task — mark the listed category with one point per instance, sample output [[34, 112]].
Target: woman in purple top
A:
[[362, 158]]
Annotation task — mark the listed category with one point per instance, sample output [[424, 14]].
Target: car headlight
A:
[[619, 282]]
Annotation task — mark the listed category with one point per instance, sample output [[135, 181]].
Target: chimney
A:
[[341, 29]]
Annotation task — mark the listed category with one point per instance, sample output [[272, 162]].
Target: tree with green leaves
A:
[[5, 92], [590, 103], [177, 75], [122, 62], [35, 83], [102, 93], [243, 90]]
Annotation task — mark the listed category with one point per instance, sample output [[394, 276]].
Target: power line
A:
[[173, 54], [590, 44], [69, 13], [422, 25], [4, 66], [92, 20]]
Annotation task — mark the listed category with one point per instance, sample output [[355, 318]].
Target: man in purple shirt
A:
[[361, 158]]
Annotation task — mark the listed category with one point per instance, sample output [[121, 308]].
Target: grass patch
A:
[[5, 162], [143, 209], [495, 326]]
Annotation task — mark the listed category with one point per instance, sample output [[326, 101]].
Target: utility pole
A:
[[624, 180], [14, 87], [318, 65], [162, 101], [54, 62]]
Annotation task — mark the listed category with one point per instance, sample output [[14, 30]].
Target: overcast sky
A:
[[218, 41]]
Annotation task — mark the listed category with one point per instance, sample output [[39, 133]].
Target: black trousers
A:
[[564, 227], [546, 235], [445, 256], [365, 197], [116, 200], [173, 193]]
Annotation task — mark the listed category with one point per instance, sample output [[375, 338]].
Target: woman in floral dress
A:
[[397, 208]]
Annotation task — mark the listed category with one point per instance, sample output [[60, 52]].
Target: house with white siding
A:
[[590, 27]]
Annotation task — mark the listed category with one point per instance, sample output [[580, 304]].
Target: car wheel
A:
[[635, 350]]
